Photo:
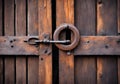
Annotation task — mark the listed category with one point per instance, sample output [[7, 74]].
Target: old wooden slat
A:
[[1, 28], [85, 67], [118, 70], [65, 14], [106, 25], [89, 45], [16, 46], [118, 16], [98, 45], [45, 31], [1, 17], [32, 20], [20, 31], [9, 31], [119, 34]]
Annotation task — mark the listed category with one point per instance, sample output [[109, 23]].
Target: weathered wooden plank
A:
[[89, 45], [118, 70], [1, 17], [1, 31], [65, 14], [20, 22], [32, 20], [16, 46], [9, 31], [1, 70], [98, 45], [106, 17], [20, 31], [45, 30], [85, 16], [85, 19], [118, 16], [9, 17], [118, 1], [106, 25]]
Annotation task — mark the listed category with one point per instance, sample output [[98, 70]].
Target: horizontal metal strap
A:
[[98, 45]]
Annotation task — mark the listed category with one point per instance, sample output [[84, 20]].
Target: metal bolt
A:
[[68, 53]]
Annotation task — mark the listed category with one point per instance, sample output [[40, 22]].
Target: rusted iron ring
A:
[[76, 37]]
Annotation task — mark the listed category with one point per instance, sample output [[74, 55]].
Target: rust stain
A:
[[99, 68], [99, 19]]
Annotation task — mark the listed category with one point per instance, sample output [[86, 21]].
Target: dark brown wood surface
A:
[[65, 14], [106, 25], [45, 30], [98, 45], [15, 45], [1, 33], [85, 67], [118, 1], [119, 70], [32, 21], [96, 59], [118, 9], [89, 45], [9, 31], [20, 31]]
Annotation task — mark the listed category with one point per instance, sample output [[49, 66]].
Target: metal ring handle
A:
[[75, 34]]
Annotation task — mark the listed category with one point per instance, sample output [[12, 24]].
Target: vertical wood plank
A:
[[9, 31], [85, 18], [20, 23], [65, 14], [118, 1], [32, 31], [106, 25], [1, 15], [119, 34], [1, 30], [9, 17], [45, 27], [118, 70]]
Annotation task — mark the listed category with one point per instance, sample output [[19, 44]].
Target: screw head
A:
[[68, 53]]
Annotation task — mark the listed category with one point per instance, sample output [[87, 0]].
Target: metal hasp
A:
[[36, 41], [61, 44]]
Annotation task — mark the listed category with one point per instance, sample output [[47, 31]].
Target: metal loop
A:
[[76, 37]]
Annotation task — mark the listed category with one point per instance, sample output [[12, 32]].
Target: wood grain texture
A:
[[118, 70], [118, 9], [45, 27], [118, 1], [85, 67], [65, 14], [1, 28], [107, 17], [98, 45], [32, 20], [15, 45], [9, 17], [1, 17], [106, 25], [9, 31], [85, 16], [20, 22]]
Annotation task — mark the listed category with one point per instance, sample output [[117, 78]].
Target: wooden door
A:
[[96, 59], [19, 61]]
